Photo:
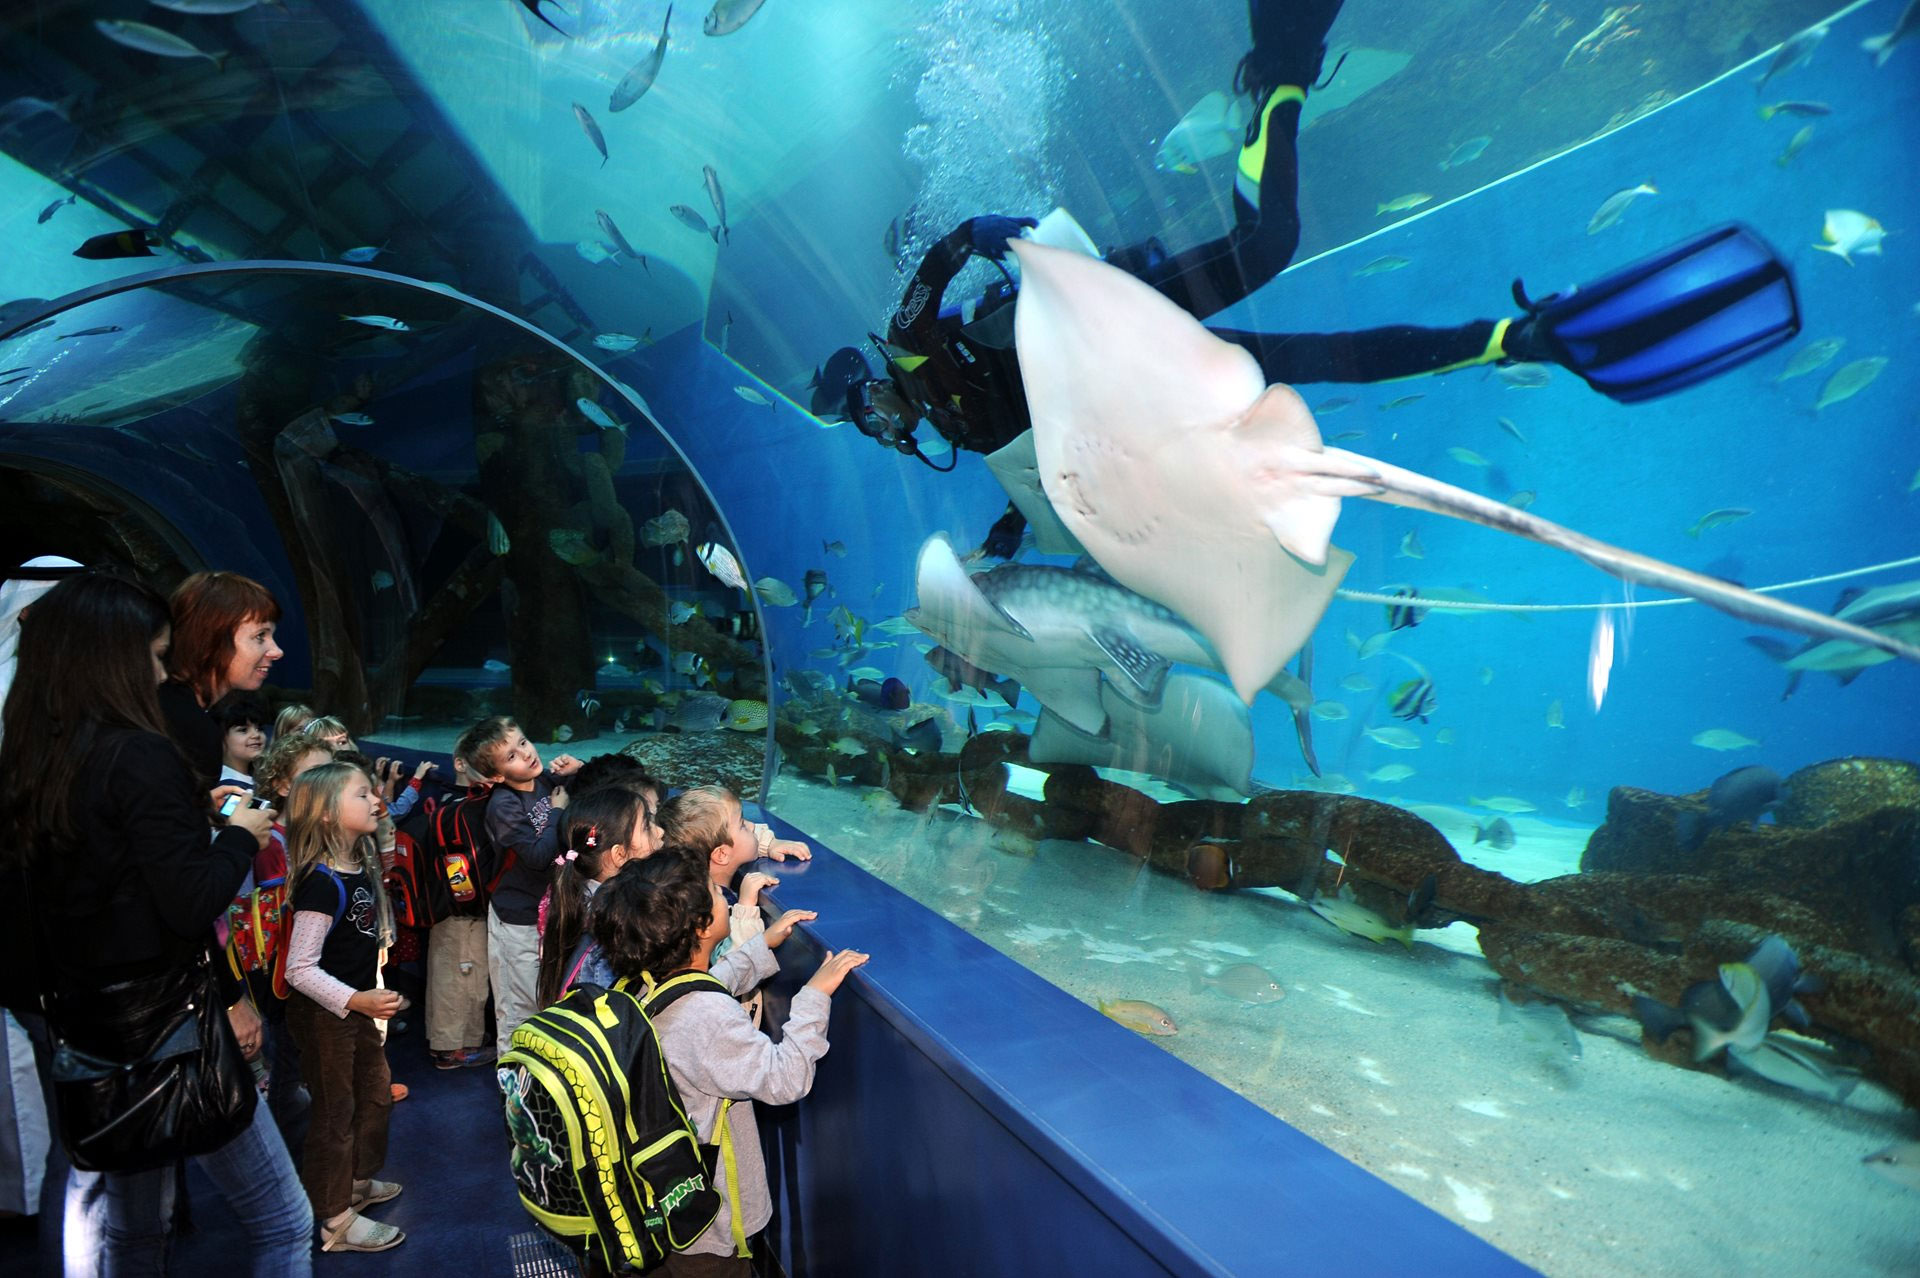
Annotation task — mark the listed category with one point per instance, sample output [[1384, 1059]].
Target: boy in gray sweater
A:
[[662, 916]]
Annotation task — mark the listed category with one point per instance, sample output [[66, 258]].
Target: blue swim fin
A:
[[1676, 318]]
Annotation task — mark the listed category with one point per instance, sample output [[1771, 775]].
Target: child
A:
[[457, 959], [341, 923], [331, 733], [525, 832], [606, 827], [661, 916], [292, 719], [243, 719]]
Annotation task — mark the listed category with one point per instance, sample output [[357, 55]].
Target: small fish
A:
[[1614, 207], [109, 245], [1849, 231], [1244, 983], [1795, 145], [588, 703], [1375, 645], [351, 419], [1576, 797], [883, 693], [1497, 834], [665, 529], [1404, 616], [1506, 424], [1355, 919], [720, 562], [562, 734], [849, 746], [495, 666], [1503, 803], [1523, 499], [838, 549], [1402, 401], [1357, 683], [597, 415], [1388, 774], [572, 546], [1381, 265], [1882, 46], [1414, 699], [1410, 547], [1900, 1161], [589, 127], [1401, 203], [717, 198], [165, 44], [680, 612], [1486, 675], [1345, 436], [611, 229], [1806, 109], [726, 333], [1466, 152], [1544, 1024], [1793, 53], [634, 84], [56, 206], [814, 583], [747, 716], [1722, 739], [775, 592], [1523, 376], [497, 541], [690, 218], [620, 723], [17, 111], [1443, 737], [1213, 126], [1333, 405], [99, 331], [1811, 357], [1556, 714], [753, 396], [1467, 457], [362, 255], [1717, 519], [923, 737], [382, 580], [1850, 380], [1740, 798], [1394, 738], [1136, 1014], [616, 341], [387, 322], [1331, 711]]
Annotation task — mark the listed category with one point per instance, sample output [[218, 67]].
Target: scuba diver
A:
[[1679, 317]]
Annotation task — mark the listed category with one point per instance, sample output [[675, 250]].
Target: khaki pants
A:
[[344, 1066], [513, 964], [457, 984]]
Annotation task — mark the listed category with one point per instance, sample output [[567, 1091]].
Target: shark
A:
[[1890, 610], [1067, 633], [1193, 482], [1200, 737]]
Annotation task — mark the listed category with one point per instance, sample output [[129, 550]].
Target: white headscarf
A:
[[15, 595]]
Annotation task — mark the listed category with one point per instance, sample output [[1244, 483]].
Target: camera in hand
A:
[[234, 802]]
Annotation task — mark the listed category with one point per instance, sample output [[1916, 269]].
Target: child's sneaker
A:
[[460, 1058], [357, 1233]]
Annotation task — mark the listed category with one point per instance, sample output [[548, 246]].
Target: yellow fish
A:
[[1139, 1016], [1355, 919], [1401, 203]]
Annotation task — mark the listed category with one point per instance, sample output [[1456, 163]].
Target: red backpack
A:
[[257, 918], [444, 865]]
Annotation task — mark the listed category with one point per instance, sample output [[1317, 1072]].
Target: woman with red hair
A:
[[223, 627]]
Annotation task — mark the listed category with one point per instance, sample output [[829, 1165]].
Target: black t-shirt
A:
[[351, 952], [197, 733]]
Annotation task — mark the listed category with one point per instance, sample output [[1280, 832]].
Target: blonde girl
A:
[[342, 924]]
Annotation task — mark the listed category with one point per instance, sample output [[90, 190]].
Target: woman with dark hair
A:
[[108, 823], [223, 627]]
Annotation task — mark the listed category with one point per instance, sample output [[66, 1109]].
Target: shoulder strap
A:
[[338, 886], [662, 995]]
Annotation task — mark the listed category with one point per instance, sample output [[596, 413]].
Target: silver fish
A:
[[728, 16], [612, 232], [1466, 152], [690, 218], [634, 84], [1850, 380], [1793, 53], [164, 44], [364, 254], [1523, 376], [387, 322], [1795, 146], [1614, 207], [56, 206], [718, 199], [616, 341], [1812, 356], [592, 130]]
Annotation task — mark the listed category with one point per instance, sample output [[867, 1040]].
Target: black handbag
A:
[[147, 1071]]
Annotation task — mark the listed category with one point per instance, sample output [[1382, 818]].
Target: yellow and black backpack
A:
[[604, 1155]]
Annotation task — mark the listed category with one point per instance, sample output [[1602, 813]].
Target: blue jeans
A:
[[255, 1175]]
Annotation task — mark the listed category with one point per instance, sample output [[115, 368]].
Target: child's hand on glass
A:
[[834, 969], [752, 885], [426, 766], [783, 926], [379, 1004], [781, 849]]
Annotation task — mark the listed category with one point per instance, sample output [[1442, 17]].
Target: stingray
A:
[[1199, 738], [1193, 482]]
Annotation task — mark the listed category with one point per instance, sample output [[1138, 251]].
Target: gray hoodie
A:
[[714, 1052]]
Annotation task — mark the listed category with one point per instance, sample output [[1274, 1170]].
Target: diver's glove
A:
[[1524, 342], [1003, 539], [992, 231]]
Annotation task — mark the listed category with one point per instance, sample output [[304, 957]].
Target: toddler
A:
[[243, 719]]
